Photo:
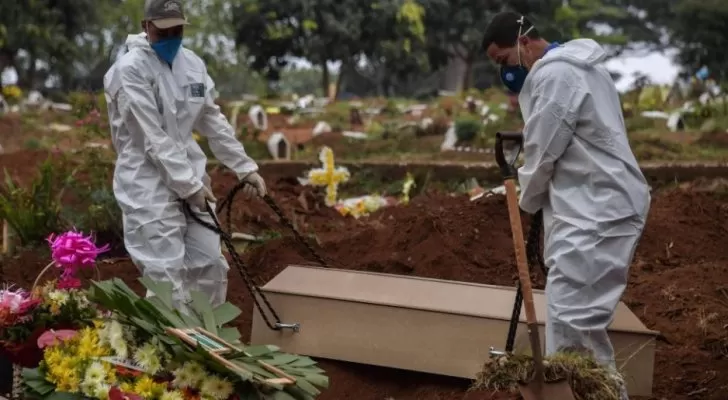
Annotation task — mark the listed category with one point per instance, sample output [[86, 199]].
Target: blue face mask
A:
[[513, 76], [167, 48]]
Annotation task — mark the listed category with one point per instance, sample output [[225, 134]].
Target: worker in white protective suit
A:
[[158, 92], [579, 169]]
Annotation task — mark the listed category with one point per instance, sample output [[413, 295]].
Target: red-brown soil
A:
[[678, 285]]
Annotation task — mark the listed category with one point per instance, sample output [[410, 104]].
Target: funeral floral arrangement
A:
[[147, 349], [330, 177], [57, 304]]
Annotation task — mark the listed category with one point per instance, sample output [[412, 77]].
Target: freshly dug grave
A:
[[678, 285]]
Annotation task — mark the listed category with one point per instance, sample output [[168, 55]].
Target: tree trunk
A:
[[325, 78]]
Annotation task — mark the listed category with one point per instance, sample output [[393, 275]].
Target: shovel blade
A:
[[557, 390]]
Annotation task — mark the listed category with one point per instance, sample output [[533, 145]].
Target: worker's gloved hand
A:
[[255, 185], [201, 197]]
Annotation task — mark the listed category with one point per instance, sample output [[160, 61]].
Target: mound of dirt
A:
[[678, 283]]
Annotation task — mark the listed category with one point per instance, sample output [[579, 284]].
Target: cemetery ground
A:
[[678, 282], [450, 129]]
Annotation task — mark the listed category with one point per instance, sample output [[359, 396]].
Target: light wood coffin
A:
[[427, 325]]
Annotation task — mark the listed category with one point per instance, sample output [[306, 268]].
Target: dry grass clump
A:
[[588, 379]]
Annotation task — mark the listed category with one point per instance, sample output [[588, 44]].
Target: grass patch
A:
[[588, 380]]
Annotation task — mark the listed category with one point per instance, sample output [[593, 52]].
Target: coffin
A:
[[419, 324]]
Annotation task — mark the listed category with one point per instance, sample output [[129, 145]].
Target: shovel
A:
[[537, 388]]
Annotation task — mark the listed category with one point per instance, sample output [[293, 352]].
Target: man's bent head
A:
[[163, 19]]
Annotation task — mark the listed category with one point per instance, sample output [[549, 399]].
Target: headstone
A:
[[675, 122], [451, 139], [34, 100], [426, 123], [279, 146], [258, 117], [321, 128], [305, 101], [61, 107], [484, 110], [56, 127], [354, 135]]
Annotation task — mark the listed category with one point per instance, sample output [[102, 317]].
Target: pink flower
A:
[[53, 337], [15, 306], [71, 251], [68, 282]]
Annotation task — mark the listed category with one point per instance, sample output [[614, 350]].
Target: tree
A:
[[698, 31]]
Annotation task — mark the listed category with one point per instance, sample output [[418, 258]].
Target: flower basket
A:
[[28, 354]]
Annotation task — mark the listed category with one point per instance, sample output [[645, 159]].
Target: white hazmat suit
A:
[[579, 169], [153, 110]]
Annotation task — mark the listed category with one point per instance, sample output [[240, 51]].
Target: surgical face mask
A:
[[167, 48], [513, 76]]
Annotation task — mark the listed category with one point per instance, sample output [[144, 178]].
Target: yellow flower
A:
[[146, 356], [329, 176], [89, 345], [216, 388], [147, 388]]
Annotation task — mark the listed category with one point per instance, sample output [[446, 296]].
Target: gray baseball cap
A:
[[164, 14]]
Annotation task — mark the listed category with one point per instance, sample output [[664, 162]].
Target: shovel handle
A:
[[524, 277]]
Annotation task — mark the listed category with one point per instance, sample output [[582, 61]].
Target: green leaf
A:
[[225, 313], [261, 350], [64, 396], [303, 362], [282, 359], [307, 387], [318, 380], [231, 335], [246, 375], [163, 290], [282, 396], [201, 306]]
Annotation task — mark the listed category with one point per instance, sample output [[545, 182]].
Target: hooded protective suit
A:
[[579, 169], [153, 110]]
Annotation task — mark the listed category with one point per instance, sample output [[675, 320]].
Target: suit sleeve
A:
[[221, 137], [554, 110]]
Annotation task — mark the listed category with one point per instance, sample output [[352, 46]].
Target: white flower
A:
[[189, 375], [174, 395], [95, 373], [216, 388], [147, 358], [119, 346], [59, 297], [101, 391]]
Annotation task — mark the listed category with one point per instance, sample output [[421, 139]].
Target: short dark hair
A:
[[503, 30]]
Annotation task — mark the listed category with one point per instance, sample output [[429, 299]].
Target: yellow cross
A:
[[329, 176]]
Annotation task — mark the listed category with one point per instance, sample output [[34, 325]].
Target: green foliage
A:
[[467, 128], [33, 212], [94, 208], [152, 316]]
